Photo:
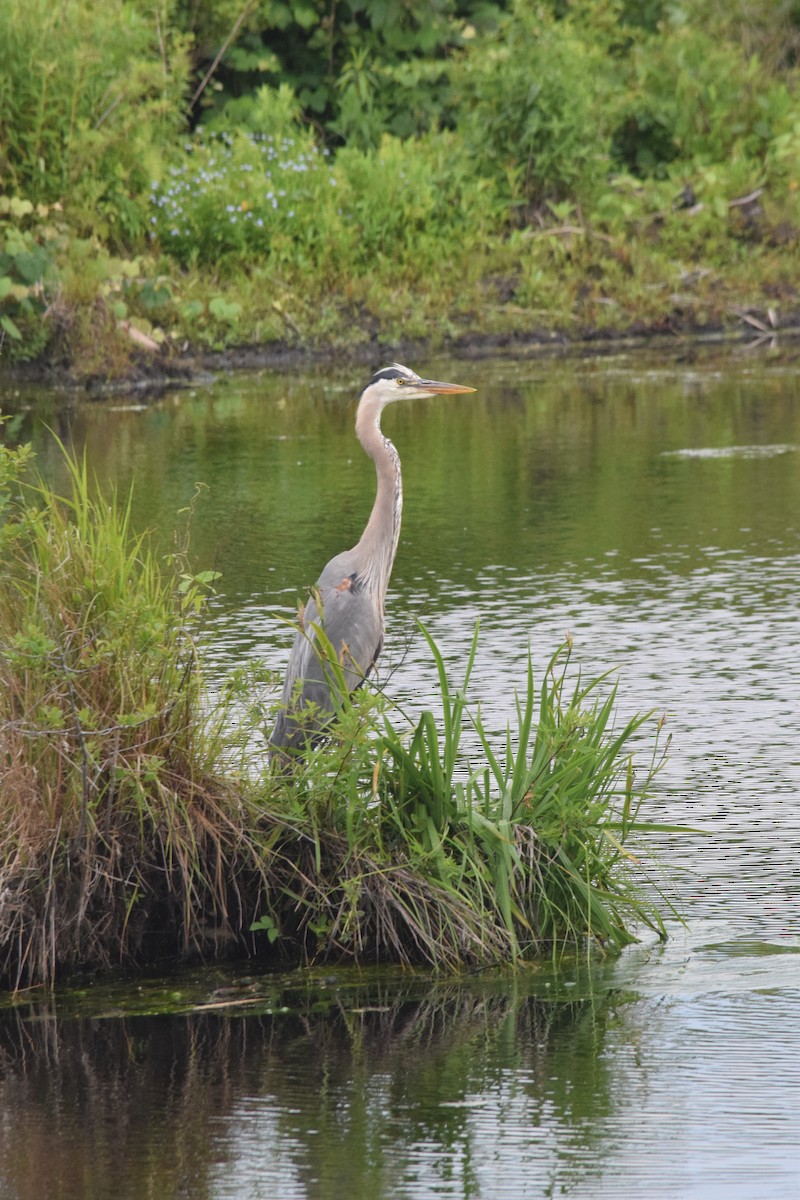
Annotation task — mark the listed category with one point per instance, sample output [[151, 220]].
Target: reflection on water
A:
[[759, 451], [647, 1077], [651, 509], [354, 1090]]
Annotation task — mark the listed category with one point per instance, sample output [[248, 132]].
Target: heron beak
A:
[[443, 389]]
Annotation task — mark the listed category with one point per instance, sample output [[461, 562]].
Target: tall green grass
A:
[[415, 850], [118, 840]]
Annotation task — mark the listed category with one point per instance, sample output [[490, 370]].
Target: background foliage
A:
[[261, 169]]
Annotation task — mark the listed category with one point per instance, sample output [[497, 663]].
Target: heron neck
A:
[[378, 544]]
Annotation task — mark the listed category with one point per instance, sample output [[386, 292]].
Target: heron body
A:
[[347, 602]]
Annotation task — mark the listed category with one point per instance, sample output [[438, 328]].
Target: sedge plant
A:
[[424, 854], [535, 832], [119, 841]]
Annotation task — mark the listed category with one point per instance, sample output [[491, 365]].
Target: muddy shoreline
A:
[[171, 368]]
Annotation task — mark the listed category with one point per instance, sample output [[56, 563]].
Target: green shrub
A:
[[89, 94], [273, 111], [698, 99], [29, 244], [72, 294], [360, 69], [239, 195], [411, 852], [247, 198], [416, 204], [535, 104]]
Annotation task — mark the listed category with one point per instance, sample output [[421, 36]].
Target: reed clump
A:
[[413, 852], [131, 833], [119, 842]]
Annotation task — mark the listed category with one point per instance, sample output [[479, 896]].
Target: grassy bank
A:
[[179, 182], [139, 826]]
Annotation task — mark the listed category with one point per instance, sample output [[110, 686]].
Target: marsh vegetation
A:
[[140, 823], [209, 176]]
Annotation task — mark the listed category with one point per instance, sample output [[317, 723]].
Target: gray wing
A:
[[353, 625]]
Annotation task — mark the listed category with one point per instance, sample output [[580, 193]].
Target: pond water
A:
[[649, 506]]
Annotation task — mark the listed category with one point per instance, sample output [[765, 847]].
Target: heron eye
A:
[[399, 381]]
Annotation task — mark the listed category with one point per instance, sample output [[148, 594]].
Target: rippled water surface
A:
[[650, 507]]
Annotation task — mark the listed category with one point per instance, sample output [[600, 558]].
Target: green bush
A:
[[359, 69], [89, 94], [498, 159], [277, 200], [415, 204], [116, 833], [401, 847], [239, 195], [535, 105], [29, 244], [695, 98]]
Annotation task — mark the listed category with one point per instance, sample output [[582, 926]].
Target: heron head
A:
[[397, 382]]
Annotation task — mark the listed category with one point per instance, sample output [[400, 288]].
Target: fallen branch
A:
[[743, 200], [753, 321], [567, 231], [141, 339]]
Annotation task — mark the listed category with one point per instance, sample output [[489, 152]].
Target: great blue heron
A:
[[347, 602]]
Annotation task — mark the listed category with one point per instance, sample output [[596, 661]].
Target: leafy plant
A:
[[29, 243], [360, 69], [286, 212], [521, 853], [416, 203], [533, 103], [242, 194], [692, 97]]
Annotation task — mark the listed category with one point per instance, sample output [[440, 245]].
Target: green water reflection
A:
[[554, 463], [337, 1095], [336, 1084]]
